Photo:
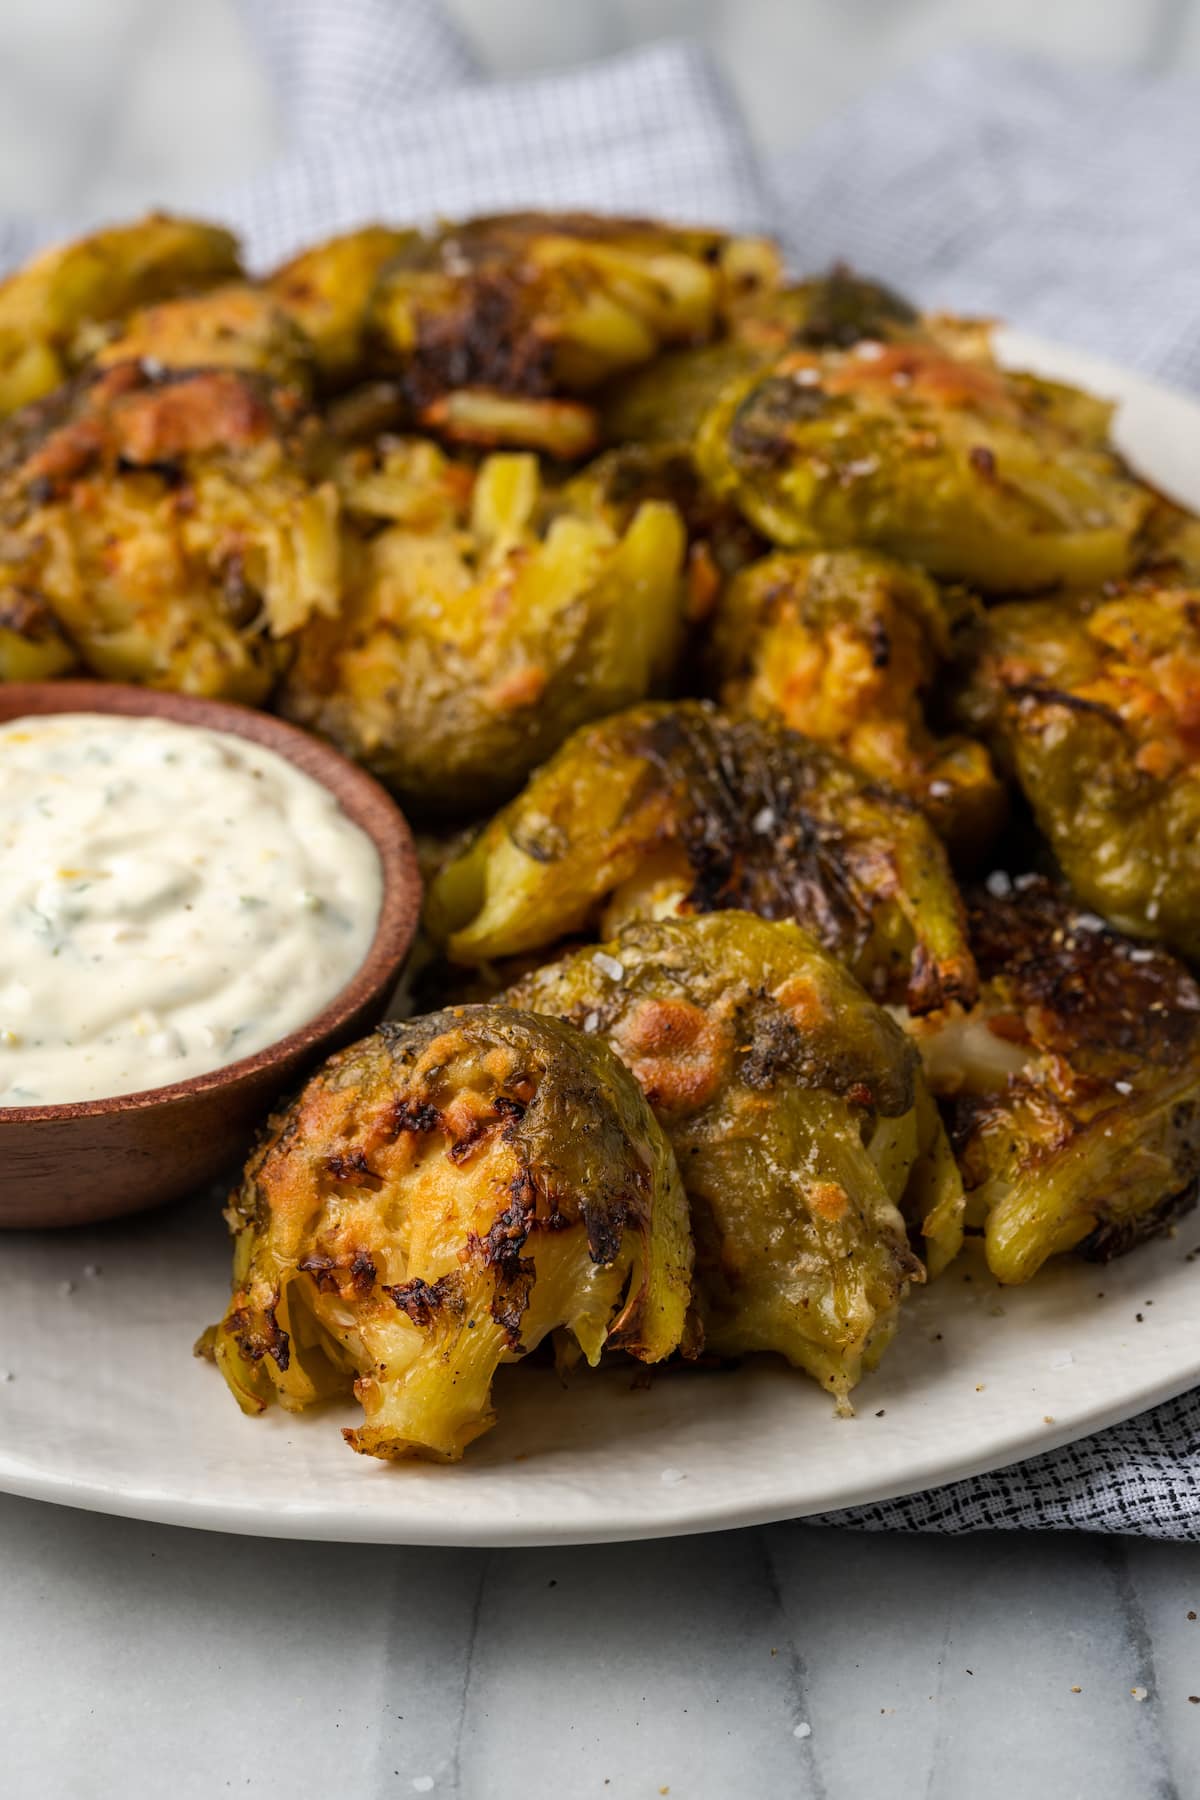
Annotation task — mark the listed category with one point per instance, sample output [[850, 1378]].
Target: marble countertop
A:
[[788, 1661]]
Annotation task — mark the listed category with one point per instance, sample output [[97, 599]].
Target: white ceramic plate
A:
[[102, 1404]]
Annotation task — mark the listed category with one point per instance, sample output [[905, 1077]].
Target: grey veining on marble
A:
[[143, 1661]]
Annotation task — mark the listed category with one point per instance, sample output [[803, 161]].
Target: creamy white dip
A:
[[171, 900]]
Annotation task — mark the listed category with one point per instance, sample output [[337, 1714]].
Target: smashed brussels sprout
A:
[[495, 323], [168, 525], [947, 461], [439, 1198], [680, 808], [474, 635], [1095, 701], [842, 645], [1072, 1090], [800, 1121], [49, 304]]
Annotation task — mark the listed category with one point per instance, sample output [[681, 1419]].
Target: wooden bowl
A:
[[95, 1159]]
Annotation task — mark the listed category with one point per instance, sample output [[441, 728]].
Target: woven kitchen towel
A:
[[1059, 199]]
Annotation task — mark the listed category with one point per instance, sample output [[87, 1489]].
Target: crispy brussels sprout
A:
[[232, 327], [679, 808], [47, 304], [168, 526], [469, 648], [666, 402], [439, 1198], [1073, 1088], [1096, 702], [945, 460], [327, 290], [842, 645], [799, 1119], [496, 324]]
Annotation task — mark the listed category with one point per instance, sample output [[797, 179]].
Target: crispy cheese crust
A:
[[438, 1199]]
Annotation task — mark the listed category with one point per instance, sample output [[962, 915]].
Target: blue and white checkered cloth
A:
[[1063, 200]]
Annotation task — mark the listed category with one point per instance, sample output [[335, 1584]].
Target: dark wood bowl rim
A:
[[361, 797]]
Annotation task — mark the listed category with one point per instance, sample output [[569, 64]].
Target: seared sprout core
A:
[[1073, 1088], [669, 809], [439, 1198], [799, 1119]]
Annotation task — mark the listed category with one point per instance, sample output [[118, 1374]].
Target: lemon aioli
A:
[[172, 899]]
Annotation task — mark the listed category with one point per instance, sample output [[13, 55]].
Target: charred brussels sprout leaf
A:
[[799, 1120], [438, 1199], [475, 634], [679, 808], [1096, 703], [945, 460], [842, 645], [48, 307], [1073, 1088], [169, 525]]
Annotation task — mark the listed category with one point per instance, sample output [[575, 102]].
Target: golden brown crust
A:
[[436, 1200]]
